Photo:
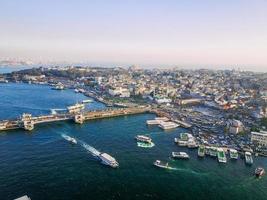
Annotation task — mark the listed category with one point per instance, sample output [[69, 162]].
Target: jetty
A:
[[28, 122]]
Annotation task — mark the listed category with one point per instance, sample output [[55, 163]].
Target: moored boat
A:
[[233, 154], [180, 155], [201, 151], [221, 155], [248, 158]]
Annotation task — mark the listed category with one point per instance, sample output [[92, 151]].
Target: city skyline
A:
[[188, 34]]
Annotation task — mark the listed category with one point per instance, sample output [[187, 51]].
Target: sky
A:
[[183, 33]]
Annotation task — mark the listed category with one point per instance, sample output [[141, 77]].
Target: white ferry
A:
[[143, 138], [192, 144], [181, 143], [180, 155], [248, 158], [163, 119], [87, 101], [233, 154], [168, 125], [106, 159], [213, 151]]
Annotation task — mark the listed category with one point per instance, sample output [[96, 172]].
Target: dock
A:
[[28, 122]]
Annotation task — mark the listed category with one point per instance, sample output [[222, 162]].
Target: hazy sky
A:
[[179, 32]]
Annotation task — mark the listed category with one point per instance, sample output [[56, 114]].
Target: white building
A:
[[259, 138], [121, 92]]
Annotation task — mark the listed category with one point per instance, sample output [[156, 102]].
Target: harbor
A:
[[46, 157]]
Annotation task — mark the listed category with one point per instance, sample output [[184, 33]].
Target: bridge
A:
[[27, 121]]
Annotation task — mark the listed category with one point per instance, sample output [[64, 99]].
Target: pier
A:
[[27, 121]]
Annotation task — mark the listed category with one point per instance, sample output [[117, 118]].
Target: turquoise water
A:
[[44, 166]]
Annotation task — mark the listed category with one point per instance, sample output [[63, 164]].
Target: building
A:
[[259, 138], [235, 126]]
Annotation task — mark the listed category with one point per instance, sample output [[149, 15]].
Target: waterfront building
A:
[[259, 138]]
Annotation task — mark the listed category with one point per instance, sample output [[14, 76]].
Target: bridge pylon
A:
[[79, 118]]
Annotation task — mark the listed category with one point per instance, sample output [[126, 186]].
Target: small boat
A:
[[221, 155], [87, 101], [192, 144], [201, 151], [106, 159], [145, 144], [233, 154], [259, 171], [70, 139], [161, 164], [180, 155], [143, 138], [248, 158], [213, 151]]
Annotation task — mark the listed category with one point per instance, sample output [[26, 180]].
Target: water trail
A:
[[89, 148]]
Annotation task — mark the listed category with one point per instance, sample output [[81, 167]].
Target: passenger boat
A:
[[143, 138], [213, 151], [106, 159], [221, 155], [87, 101], [161, 164], [201, 151], [233, 154], [180, 155], [192, 144], [248, 158], [58, 87], [259, 171], [207, 150], [181, 143]]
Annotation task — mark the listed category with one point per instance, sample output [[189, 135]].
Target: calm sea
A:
[[44, 166]]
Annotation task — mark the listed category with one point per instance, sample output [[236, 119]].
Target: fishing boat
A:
[[201, 151], [221, 155], [143, 138], [259, 171], [233, 154], [248, 158], [180, 155], [106, 159], [161, 164]]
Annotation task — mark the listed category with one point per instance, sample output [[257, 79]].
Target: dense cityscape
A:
[[224, 107]]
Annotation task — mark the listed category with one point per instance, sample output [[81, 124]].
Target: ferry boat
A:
[[87, 101], [161, 164], [248, 158], [70, 139], [168, 125], [164, 119], [233, 154], [207, 150], [259, 171], [221, 155], [180, 155], [192, 144], [181, 143], [106, 159], [143, 138], [213, 151], [201, 151]]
